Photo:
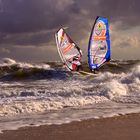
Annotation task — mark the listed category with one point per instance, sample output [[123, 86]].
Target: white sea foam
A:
[[11, 62], [103, 110], [39, 96], [115, 88], [122, 84], [119, 94]]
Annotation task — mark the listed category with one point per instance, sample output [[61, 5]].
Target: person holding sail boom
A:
[[76, 64]]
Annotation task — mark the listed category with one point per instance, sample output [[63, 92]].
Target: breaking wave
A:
[[8, 66], [45, 93], [62, 89]]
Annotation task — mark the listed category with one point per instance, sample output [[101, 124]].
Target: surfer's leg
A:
[[80, 67], [91, 70], [77, 68], [94, 71], [97, 69]]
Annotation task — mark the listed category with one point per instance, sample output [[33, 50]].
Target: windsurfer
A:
[[76, 64], [95, 71]]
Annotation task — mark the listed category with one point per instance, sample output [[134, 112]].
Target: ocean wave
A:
[[51, 95], [10, 62], [10, 66], [74, 91], [123, 84]]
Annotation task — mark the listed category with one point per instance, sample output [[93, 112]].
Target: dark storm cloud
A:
[[19, 16], [125, 10], [26, 23], [36, 38], [33, 15]]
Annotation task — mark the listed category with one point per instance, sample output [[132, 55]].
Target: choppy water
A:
[[36, 94]]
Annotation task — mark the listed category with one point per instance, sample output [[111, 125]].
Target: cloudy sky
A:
[[27, 27]]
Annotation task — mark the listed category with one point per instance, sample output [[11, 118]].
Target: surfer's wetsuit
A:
[[76, 65]]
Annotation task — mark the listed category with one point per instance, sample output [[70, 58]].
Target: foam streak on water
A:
[[51, 96]]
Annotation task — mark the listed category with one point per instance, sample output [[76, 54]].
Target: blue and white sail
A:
[[99, 44], [67, 49]]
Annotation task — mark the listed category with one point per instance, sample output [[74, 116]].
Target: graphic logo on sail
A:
[[100, 28]]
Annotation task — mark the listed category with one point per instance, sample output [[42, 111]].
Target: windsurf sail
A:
[[69, 52], [99, 44]]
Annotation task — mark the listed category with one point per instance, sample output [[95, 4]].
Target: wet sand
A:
[[125, 127]]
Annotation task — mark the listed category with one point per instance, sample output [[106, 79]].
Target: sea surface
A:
[[33, 94]]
